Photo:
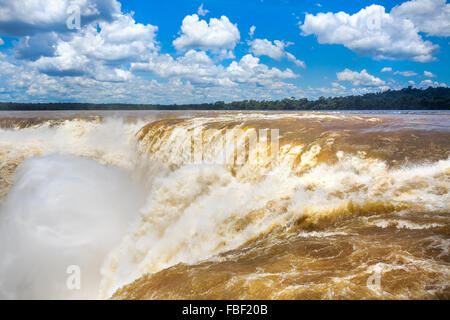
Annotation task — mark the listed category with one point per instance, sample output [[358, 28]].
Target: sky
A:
[[189, 51]]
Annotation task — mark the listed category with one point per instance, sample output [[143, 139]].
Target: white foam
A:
[[64, 208]]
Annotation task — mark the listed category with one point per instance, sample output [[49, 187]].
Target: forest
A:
[[404, 99]]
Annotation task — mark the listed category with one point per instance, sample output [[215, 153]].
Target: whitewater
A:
[[127, 198]]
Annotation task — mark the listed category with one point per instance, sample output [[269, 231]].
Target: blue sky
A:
[[189, 51]]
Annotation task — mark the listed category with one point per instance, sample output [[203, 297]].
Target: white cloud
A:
[[429, 74], [337, 89], [406, 73], [37, 45], [275, 50], [100, 53], [292, 58], [50, 63], [251, 80], [25, 17], [337, 85], [371, 32], [102, 63], [217, 35], [359, 78], [402, 73], [201, 11], [429, 16], [264, 47], [248, 69], [198, 67], [252, 31], [428, 83], [411, 82], [1, 42], [21, 80]]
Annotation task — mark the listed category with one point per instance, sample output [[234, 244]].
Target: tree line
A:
[[404, 99]]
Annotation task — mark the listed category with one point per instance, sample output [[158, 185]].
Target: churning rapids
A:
[[356, 206]]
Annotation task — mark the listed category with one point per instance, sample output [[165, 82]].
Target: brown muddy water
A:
[[349, 205]]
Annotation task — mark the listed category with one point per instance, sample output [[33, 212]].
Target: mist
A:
[[63, 212]]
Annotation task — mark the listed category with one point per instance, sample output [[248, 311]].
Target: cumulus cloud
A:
[[371, 32], [27, 17], [264, 47], [198, 67], [252, 31], [103, 61], [337, 85], [275, 50], [362, 78], [22, 82], [248, 69], [429, 74], [292, 58], [98, 53], [201, 11], [386, 69], [217, 35], [18, 80], [1, 42], [194, 65], [337, 89], [429, 83], [37, 45], [429, 16], [106, 43]]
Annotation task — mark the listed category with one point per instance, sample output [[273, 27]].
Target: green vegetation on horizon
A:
[[404, 99]]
